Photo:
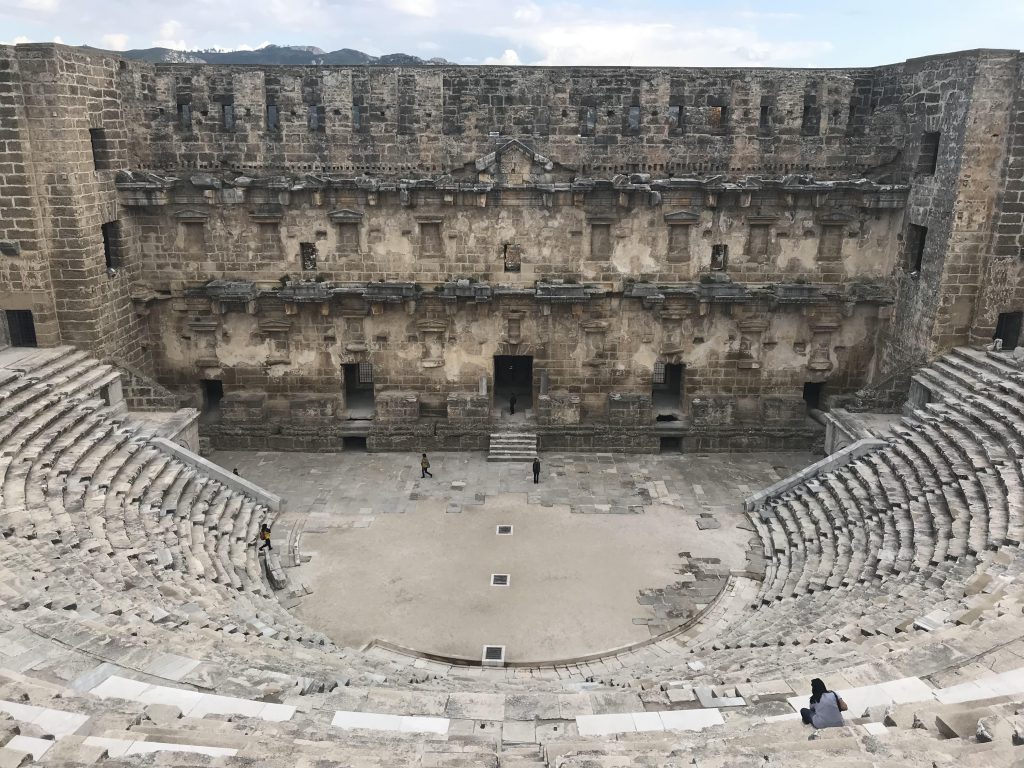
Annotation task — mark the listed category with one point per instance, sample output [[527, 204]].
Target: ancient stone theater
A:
[[678, 288]]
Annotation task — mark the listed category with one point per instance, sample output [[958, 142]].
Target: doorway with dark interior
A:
[[21, 327], [359, 402], [213, 393], [1008, 329], [513, 375], [813, 391], [668, 385]]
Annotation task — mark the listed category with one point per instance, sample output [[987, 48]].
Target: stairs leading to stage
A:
[[513, 446]]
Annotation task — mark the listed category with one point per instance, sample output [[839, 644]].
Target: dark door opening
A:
[[513, 375], [812, 393], [353, 443], [668, 388], [213, 393], [1008, 329], [671, 444], [21, 327], [359, 402]]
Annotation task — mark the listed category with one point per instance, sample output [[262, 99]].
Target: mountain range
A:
[[275, 54]]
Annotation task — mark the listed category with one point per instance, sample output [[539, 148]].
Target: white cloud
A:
[[114, 42], [528, 14], [508, 58], [19, 40], [428, 46], [423, 8], [167, 33], [621, 43], [58, 40], [47, 6]]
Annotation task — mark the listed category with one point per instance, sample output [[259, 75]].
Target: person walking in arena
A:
[[264, 536], [425, 467]]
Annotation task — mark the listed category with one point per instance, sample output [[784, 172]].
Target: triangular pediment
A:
[[191, 214], [682, 217], [344, 215], [516, 147]]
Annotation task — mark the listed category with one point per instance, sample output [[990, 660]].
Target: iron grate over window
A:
[[366, 373], [493, 652], [659, 373], [504, 530], [499, 579]]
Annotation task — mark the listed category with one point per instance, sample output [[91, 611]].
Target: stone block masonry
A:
[[331, 257]]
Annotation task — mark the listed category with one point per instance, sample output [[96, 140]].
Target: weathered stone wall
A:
[[390, 122], [760, 227], [63, 193], [964, 98], [1002, 278]]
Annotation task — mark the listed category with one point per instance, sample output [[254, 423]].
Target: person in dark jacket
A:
[[536, 470], [264, 536], [512, 404]]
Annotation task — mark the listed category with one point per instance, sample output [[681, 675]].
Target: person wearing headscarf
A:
[[826, 707]]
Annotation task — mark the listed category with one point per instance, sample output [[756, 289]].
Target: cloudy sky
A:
[[638, 32]]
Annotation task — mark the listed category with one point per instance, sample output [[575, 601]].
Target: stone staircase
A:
[[513, 446]]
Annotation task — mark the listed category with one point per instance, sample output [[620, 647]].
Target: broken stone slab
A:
[[163, 714], [707, 522], [708, 700]]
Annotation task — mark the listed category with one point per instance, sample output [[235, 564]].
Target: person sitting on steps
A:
[[826, 707]]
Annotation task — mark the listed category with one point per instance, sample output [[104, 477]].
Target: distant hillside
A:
[[274, 54]]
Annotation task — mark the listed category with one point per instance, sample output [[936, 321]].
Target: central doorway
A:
[[513, 375], [359, 402], [667, 391]]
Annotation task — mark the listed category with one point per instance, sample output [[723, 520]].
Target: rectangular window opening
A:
[[810, 124], [357, 118], [307, 256], [111, 232], [675, 119], [228, 116], [916, 237], [273, 117], [929, 157], [353, 443], [719, 257], [513, 257], [194, 236], [185, 117], [717, 118], [213, 392], [765, 122], [21, 327]]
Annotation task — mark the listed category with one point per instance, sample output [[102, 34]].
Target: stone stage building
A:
[[331, 257]]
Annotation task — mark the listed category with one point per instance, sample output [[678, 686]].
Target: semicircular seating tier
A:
[[136, 616]]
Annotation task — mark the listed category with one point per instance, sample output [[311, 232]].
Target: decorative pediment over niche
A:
[[191, 214], [834, 218], [514, 164], [345, 216], [682, 217]]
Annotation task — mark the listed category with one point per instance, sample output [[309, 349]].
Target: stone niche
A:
[[243, 408], [712, 411], [468, 406], [629, 409], [397, 406], [310, 410], [558, 408]]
